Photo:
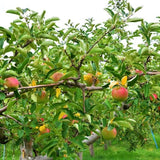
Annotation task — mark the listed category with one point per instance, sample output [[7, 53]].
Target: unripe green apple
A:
[[57, 76], [109, 134], [120, 93], [12, 83]]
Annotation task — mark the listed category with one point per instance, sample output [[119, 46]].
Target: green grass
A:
[[116, 151]]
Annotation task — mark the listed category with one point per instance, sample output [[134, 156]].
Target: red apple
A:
[[11, 83], [109, 134], [47, 130], [153, 97], [64, 116], [120, 93], [139, 71], [42, 119], [57, 76], [158, 108]]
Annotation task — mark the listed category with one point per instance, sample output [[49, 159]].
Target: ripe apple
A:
[[12, 83], [158, 108], [42, 119], [139, 71], [153, 97], [90, 79], [57, 76], [120, 93], [43, 129], [109, 134]]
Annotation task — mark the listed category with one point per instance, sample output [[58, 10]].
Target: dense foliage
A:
[[58, 114]]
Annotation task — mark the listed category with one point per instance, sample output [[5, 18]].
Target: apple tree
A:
[[56, 83]]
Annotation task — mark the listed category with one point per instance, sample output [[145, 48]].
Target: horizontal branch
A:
[[91, 139], [3, 109]]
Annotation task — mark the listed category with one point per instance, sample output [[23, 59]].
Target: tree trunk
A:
[[91, 149], [26, 150], [105, 145], [80, 154]]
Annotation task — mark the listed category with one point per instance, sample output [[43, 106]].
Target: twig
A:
[[10, 117], [145, 63], [96, 42]]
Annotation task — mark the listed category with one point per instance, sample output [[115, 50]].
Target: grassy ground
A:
[[116, 151], [120, 152]]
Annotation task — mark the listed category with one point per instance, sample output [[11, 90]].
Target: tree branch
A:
[[96, 42], [3, 109], [10, 117]]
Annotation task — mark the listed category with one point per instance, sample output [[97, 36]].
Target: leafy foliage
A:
[[33, 48]]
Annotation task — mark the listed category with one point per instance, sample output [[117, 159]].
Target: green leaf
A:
[[47, 43], [125, 124], [4, 30], [9, 73], [2, 96], [145, 51], [24, 37], [47, 36], [42, 15], [68, 32], [96, 50], [110, 12], [135, 20], [22, 65], [1, 42], [146, 90], [33, 107], [108, 104], [34, 97], [13, 12], [65, 129], [72, 36], [138, 8], [67, 75], [78, 94], [20, 133], [129, 7], [51, 20]]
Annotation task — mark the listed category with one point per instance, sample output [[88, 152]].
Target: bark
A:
[[80, 155], [91, 139], [26, 150], [91, 149]]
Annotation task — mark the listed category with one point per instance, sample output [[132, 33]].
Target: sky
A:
[[76, 10]]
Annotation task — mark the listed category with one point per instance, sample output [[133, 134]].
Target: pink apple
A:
[[12, 83], [120, 93]]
